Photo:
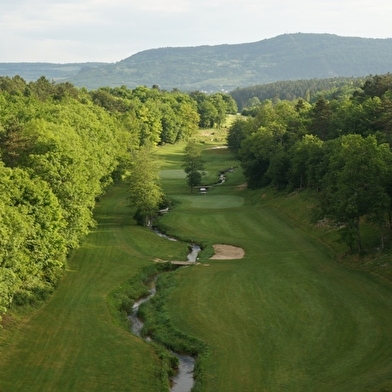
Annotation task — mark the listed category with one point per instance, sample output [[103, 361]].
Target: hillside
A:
[[33, 71], [212, 68], [226, 67]]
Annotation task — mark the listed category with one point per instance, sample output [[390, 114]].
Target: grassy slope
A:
[[72, 343], [287, 316]]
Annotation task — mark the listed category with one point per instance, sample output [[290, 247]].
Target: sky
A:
[[67, 31]]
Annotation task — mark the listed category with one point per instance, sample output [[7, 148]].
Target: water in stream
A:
[[137, 324], [195, 250], [183, 381]]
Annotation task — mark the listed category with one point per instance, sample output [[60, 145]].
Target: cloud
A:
[[110, 30], [167, 7], [43, 16]]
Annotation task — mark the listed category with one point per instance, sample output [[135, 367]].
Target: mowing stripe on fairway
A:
[[72, 343], [290, 319], [211, 201], [287, 317], [172, 174]]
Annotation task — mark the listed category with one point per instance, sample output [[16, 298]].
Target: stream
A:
[[183, 381], [194, 249]]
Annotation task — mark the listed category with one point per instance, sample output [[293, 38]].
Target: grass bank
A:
[[76, 341], [288, 316]]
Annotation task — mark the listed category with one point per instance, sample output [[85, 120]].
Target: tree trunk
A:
[[359, 239], [382, 238]]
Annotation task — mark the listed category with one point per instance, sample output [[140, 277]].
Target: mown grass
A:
[[77, 341], [287, 317]]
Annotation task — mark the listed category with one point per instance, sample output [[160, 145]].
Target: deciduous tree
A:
[[355, 184], [145, 192], [193, 164]]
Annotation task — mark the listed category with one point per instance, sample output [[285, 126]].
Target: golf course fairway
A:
[[285, 317], [74, 342]]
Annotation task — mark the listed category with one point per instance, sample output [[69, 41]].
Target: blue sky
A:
[[65, 31]]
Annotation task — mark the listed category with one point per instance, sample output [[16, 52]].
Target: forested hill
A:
[[52, 71], [213, 68], [307, 89]]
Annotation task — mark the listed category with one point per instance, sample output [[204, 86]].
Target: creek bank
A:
[[183, 380], [136, 323], [194, 248]]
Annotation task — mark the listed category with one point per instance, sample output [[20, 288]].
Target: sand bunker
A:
[[227, 252]]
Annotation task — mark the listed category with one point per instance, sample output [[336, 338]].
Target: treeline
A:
[[339, 148], [60, 148], [247, 98]]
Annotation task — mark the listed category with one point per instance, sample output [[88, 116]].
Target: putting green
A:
[[212, 201]]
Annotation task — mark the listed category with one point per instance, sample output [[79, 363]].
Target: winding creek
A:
[[183, 381]]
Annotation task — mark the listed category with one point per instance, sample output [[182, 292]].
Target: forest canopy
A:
[[60, 148], [340, 148]]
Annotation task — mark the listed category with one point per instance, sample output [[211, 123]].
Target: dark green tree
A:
[[193, 164], [354, 185], [221, 109], [305, 155], [237, 133], [208, 114], [255, 154], [321, 116]]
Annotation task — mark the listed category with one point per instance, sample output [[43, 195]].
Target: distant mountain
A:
[[226, 67], [33, 71]]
